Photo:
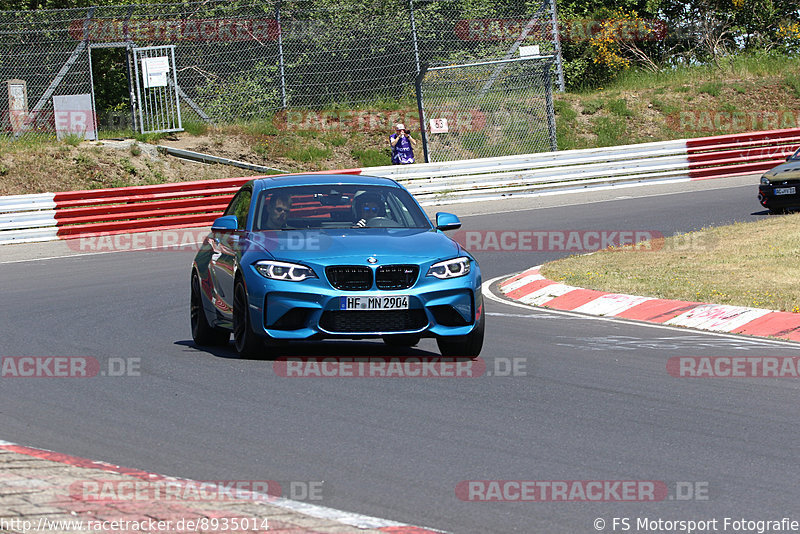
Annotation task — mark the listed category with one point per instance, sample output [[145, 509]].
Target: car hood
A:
[[354, 246], [789, 171]]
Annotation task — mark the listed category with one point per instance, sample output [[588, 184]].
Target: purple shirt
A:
[[402, 152]]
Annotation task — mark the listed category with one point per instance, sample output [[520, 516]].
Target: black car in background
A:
[[779, 189]]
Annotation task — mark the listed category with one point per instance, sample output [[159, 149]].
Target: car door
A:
[[223, 262]]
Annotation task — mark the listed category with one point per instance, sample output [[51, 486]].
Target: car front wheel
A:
[[468, 346], [247, 343], [203, 333]]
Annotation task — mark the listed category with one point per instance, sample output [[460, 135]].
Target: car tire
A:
[[203, 333], [246, 342], [468, 346], [401, 340]]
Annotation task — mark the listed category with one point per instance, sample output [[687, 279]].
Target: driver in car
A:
[[368, 206]]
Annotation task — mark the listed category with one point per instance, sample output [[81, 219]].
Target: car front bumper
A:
[[770, 200], [296, 310]]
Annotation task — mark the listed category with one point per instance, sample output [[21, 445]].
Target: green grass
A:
[[742, 66], [710, 88], [609, 131], [564, 110], [711, 265], [151, 137], [195, 128], [73, 139], [590, 107], [664, 107], [372, 157], [83, 160], [127, 166], [792, 81], [619, 107], [255, 127], [308, 153], [335, 139]]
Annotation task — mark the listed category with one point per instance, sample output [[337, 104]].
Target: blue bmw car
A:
[[333, 256]]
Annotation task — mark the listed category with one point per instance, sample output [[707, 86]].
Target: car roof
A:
[[321, 179]]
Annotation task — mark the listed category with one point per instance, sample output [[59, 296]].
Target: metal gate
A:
[[487, 109], [157, 104]]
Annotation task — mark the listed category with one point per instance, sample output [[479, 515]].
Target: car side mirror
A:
[[228, 223], [447, 221]]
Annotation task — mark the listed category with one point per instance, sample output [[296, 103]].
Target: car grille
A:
[[350, 277], [373, 321], [396, 276]]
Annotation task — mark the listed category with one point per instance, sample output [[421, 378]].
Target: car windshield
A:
[[337, 206]]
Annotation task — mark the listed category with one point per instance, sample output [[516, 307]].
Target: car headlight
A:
[[450, 268], [764, 180], [279, 270]]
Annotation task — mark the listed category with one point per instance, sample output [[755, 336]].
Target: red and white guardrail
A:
[[51, 216]]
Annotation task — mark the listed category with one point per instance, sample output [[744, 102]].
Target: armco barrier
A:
[[50, 216]]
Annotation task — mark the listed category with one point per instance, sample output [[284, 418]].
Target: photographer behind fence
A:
[[402, 146]]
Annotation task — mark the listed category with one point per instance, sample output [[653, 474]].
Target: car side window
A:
[[240, 206]]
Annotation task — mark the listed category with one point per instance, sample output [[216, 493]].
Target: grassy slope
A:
[[638, 107], [745, 264]]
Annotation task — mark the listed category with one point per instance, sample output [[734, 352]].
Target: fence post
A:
[[551, 112], [280, 54], [421, 107], [414, 33], [557, 43]]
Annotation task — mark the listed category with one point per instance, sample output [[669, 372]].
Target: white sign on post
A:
[[154, 71], [17, 105], [73, 115], [439, 126], [527, 51]]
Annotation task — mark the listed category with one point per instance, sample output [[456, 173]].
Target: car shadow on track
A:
[[318, 349]]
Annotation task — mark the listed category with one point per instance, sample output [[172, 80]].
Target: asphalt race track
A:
[[592, 399]]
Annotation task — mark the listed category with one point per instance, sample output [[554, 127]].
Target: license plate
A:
[[385, 302], [784, 190]]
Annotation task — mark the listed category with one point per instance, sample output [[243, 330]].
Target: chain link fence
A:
[[488, 109], [243, 61]]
